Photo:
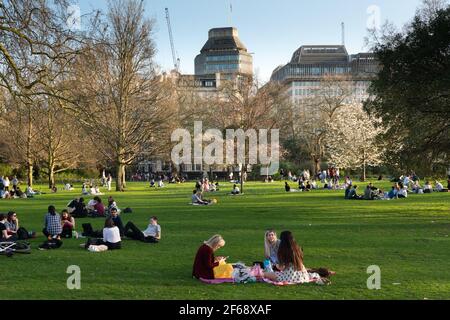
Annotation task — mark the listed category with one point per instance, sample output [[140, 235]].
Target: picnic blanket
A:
[[280, 284], [244, 274]]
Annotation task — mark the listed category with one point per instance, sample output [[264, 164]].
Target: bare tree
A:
[[33, 32], [61, 140], [20, 127], [36, 49], [123, 104]]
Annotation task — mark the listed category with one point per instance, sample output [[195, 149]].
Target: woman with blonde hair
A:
[[271, 245], [205, 261]]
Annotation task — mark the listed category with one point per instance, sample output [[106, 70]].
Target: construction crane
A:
[[176, 61]]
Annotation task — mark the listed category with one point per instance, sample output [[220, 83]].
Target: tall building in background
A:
[[222, 58], [224, 53], [309, 64]]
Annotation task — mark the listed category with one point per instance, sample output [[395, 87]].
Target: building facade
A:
[[302, 76]]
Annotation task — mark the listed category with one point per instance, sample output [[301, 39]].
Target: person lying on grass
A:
[[290, 262], [205, 261], [111, 237], [151, 235]]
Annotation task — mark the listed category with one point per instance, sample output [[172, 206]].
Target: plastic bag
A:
[[223, 271], [100, 248]]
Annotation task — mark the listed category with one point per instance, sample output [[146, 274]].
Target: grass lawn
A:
[[408, 239]]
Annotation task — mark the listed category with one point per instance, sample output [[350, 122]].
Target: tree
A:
[[121, 100], [411, 94], [352, 139], [243, 104], [36, 49], [61, 140], [310, 121], [33, 32]]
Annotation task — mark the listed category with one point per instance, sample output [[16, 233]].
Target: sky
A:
[[270, 29]]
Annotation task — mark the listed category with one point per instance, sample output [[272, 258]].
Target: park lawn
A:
[[408, 239]]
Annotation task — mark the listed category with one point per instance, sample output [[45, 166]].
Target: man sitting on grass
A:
[[353, 195], [152, 234]]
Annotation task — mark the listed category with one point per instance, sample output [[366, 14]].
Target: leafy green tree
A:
[[411, 94]]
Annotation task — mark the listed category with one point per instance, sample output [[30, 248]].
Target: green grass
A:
[[408, 239]]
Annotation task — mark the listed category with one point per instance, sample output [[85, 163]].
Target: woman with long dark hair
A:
[[290, 261]]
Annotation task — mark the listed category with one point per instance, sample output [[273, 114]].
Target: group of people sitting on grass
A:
[[10, 189], [373, 193], [398, 191], [204, 185], [90, 189], [60, 226], [94, 208], [283, 261]]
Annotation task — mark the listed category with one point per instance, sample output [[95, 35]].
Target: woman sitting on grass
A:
[[4, 236], [205, 261], [111, 237], [67, 223], [13, 228], [271, 245], [290, 258], [96, 207]]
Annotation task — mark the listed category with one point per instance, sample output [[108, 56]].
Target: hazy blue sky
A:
[[271, 29]]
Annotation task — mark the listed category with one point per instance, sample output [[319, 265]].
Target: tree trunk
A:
[[316, 162], [51, 176], [29, 159], [30, 174], [243, 170], [119, 178], [124, 177], [364, 171]]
